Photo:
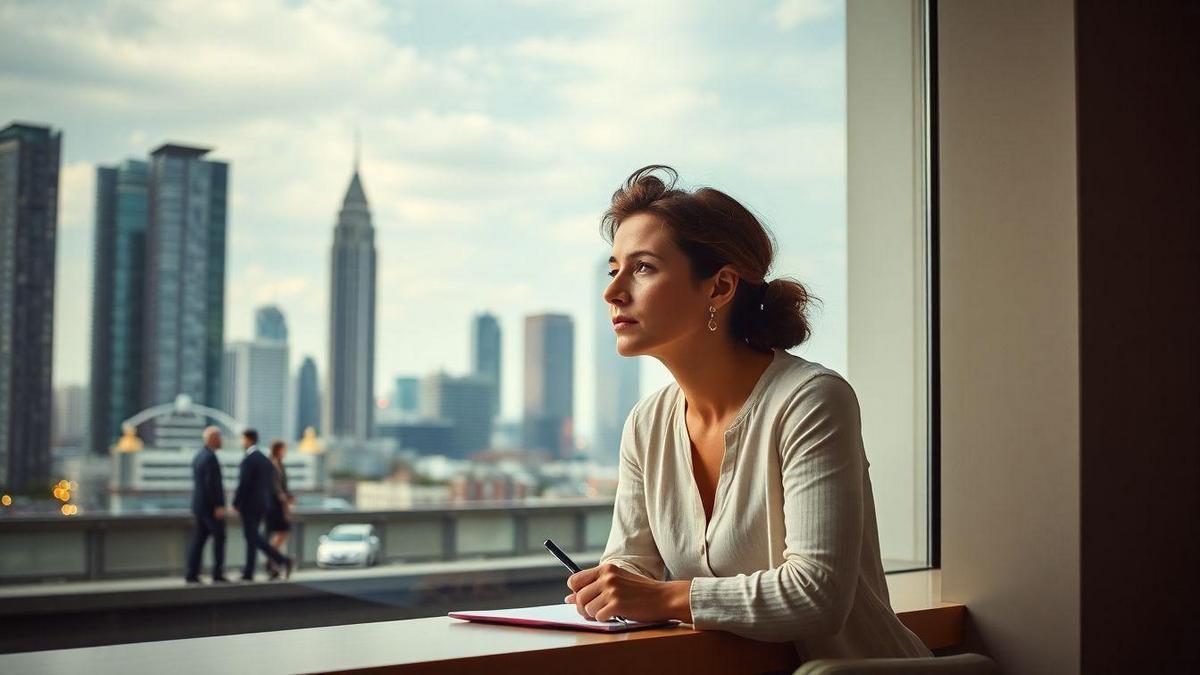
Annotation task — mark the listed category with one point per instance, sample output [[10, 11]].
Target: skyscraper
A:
[[118, 269], [485, 354], [618, 379], [308, 398], [351, 391], [29, 162], [185, 277], [465, 402], [549, 405]]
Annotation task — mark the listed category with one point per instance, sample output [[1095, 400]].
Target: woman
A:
[[746, 478], [279, 513]]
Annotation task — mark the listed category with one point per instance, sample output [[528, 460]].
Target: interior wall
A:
[[1138, 84], [1009, 333]]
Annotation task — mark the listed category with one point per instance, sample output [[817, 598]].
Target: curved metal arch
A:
[[184, 404], [225, 419]]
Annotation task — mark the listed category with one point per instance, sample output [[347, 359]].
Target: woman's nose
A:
[[614, 293]]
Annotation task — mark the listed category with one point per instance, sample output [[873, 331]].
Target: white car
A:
[[349, 546]]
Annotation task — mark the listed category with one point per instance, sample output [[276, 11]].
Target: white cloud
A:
[[791, 13]]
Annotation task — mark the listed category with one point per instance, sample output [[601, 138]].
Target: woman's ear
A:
[[725, 283]]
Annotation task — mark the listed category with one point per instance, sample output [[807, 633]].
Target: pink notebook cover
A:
[[553, 616]]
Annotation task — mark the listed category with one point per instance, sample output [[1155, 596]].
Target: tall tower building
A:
[[118, 266], [29, 162], [351, 391], [548, 422], [485, 354], [308, 398], [617, 378], [185, 277]]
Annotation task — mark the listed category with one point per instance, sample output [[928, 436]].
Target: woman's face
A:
[[652, 285]]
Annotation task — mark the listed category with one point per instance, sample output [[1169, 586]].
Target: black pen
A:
[[570, 564]]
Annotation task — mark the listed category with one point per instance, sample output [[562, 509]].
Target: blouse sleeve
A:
[[630, 541], [810, 594]]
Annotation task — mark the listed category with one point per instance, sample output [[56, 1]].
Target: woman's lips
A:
[[623, 325]]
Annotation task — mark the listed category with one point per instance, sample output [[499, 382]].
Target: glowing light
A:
[[6, 500]]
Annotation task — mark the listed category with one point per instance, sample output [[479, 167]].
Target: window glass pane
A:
[[240, 215]]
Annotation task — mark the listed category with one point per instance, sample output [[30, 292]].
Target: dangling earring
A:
[[712, 318]]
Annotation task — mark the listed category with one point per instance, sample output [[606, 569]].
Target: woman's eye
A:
[[638, 266]]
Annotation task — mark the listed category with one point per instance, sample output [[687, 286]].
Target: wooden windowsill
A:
[[445, 645]]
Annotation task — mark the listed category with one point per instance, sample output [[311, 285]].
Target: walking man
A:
[[208, 509], [255, 490]]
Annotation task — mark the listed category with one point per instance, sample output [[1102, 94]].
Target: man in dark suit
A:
[[208, 508], [255, 490]]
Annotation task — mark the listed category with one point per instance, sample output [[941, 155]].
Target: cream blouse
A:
[[791, 552]]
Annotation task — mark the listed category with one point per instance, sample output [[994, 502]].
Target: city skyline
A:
[[489, 156]]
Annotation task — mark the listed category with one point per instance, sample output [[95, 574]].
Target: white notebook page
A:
[[561, 614]]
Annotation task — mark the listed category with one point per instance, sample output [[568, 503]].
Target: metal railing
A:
[[40, 549]]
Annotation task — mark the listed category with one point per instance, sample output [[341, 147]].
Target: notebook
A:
[[561, 615]]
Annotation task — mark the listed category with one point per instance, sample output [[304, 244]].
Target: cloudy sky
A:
[[493, 135]]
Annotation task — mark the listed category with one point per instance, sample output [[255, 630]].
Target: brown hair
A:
[[277, 446], [713, 229]]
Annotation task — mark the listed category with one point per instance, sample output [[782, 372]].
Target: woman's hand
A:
[[606, 591]]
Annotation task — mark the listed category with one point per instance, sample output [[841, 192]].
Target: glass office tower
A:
[[29, 162], [185, 277], [118, 278]]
